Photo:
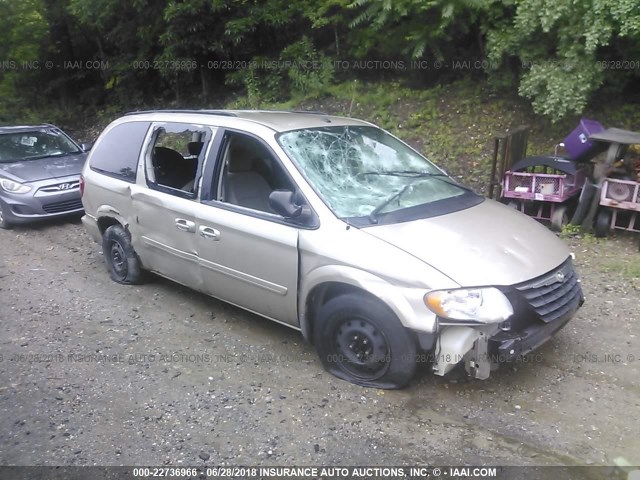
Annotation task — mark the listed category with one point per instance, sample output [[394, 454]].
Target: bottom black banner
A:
[[319, 472]]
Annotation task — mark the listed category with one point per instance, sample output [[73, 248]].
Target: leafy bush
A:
[[564, 47]]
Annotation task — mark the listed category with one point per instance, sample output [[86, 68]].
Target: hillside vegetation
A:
[[61, 57]]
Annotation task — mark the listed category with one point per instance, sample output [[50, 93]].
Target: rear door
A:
[[248, 254], [165, 200]]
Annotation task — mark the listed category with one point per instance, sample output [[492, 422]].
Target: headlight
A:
[[14, 187], [486, 305]]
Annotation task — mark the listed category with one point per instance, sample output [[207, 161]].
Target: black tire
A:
[[603, 223], [122, 260], [584, 201], [359, 339], [4, 224], [560, 218]]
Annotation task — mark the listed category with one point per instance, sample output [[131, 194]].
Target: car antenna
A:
[[353, 97]]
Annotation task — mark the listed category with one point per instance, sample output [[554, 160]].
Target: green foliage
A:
[[414, 27], [260, 87], [124, 34], [570, 230], [310, 70], [557, 90], [562, 46], [169, 52], [23, 31], [300, 70]]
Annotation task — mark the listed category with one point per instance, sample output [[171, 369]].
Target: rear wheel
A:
[[559, 218], [359, 339], [603, 222], [122, 260]]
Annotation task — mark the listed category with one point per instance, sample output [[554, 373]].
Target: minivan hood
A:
[[48, 167], [488, 244]]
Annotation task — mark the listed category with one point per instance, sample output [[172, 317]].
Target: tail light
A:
[[81, 185]]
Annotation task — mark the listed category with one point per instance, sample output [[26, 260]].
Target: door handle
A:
[[185, 225], [208, 232]]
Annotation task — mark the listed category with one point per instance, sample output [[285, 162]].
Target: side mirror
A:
[[86, 146], [282, 202]]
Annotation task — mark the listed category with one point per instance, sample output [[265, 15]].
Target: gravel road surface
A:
[[96, 373]]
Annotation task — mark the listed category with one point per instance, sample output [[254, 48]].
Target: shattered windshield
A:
[[35, 144], [362, 171]]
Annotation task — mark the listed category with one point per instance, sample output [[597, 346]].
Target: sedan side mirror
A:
[[282, 202], [86, 146]]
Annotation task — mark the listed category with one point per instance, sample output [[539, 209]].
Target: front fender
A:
[[407, 303]]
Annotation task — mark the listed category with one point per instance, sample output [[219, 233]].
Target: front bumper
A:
[[505, 347], [45, 201], [542, 307], [91, 225]]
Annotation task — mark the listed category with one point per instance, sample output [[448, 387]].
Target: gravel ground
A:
[[96, 373]]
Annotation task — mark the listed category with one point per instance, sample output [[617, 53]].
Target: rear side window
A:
[[117, 153]]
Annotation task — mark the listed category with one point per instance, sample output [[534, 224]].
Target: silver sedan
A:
[[39, 174]]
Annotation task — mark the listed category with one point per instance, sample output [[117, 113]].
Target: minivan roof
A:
[[277, 120]]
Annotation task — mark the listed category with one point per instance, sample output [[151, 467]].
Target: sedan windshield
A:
[[362, 171], [31, 145]]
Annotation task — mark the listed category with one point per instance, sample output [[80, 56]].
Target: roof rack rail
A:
[[311, 112], [203, 111]]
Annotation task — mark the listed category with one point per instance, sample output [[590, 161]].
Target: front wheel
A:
[[122, 260], [3, 219], [359, 339]]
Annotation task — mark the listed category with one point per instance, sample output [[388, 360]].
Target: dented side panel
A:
[[349, 256]]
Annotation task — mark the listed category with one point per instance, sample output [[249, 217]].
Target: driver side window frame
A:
[[212, 194]]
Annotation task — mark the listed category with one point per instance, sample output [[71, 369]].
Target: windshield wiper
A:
[[406, 173], [373, 216], [46, 155], [454, 183]]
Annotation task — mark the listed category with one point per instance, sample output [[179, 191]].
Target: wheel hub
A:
[[118, 259], [362, 348]]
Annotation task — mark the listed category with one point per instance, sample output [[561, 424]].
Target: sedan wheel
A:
[[3, 220]]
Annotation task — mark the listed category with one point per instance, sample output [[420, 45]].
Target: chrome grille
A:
[[62, 187], [554, 294], [66, 206]]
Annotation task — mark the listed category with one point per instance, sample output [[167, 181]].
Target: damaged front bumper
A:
[[541, 307]]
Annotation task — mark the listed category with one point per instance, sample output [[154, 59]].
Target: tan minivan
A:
[[332, 227]]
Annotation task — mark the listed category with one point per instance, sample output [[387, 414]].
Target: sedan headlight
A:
[[486, 305], [14, 187]]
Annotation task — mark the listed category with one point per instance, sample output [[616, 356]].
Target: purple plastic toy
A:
[[577, 143]]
